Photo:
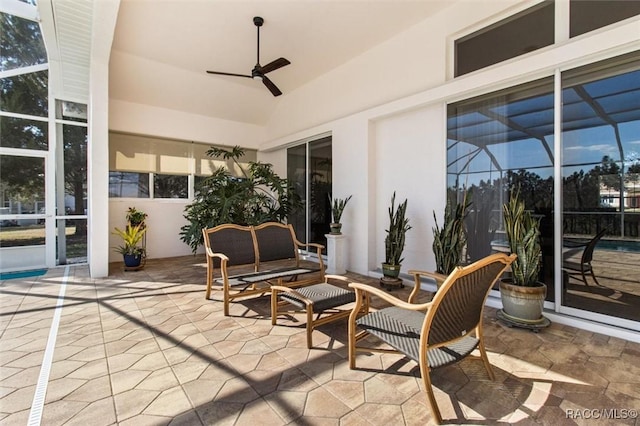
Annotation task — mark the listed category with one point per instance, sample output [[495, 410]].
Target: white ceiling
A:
[[162, 48]]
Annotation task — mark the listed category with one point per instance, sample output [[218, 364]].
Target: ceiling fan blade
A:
[[229, 73], [272, 87], [272, 66]]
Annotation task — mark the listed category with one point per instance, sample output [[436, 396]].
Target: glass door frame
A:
[[307, 142], [49, 219], [558, 306]]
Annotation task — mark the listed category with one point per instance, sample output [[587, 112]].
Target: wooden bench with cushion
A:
[[270, 250]]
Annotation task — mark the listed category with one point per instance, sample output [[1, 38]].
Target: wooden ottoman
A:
[[322, 300]]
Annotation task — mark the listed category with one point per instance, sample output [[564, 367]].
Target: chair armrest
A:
[[388, 298], [317, 246], [220, 256], [336, 277], [439, 278]]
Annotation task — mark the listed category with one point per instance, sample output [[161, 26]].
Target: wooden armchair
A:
[[434, 334]]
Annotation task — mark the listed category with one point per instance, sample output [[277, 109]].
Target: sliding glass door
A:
[[507, 141], [601, 188], [309, 170], [499, 145]]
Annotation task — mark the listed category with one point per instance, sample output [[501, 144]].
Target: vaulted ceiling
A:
[[162, 48]]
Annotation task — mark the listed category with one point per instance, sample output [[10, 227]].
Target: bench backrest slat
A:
[[275, 242], [235, 241]]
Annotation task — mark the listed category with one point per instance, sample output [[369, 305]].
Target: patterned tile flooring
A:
[[146, 348]]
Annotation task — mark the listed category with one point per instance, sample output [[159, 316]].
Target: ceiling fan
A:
[[258, 72]]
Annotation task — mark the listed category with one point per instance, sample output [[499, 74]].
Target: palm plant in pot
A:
[[131, 249], [395, 239], [337, 208], [523, 294]]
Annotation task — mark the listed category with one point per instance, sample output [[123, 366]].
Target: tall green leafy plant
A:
[[449, 240], [135, 217], [259, 195], [523, 234], [396, 234]]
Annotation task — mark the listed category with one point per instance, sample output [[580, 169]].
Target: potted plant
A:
[[131, 249], [523, 294], [136, 217], [449, 240], [395, 239], [337, 208]]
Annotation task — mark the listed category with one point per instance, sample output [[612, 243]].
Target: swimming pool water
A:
[[632, 246]]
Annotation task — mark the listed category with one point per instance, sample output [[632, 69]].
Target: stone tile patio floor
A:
[[146, 348]]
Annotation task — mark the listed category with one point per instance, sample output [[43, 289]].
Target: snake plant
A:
[[449, 240], [337, 207], [523, 232], [398, 227]]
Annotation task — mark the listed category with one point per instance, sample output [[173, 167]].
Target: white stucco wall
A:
[[147, 120], [409, 158], [165, 218]]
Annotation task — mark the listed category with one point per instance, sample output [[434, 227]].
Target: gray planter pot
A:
[[335, 228], [523, 304]]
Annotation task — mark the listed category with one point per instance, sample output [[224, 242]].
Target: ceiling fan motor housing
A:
[[256, 74]]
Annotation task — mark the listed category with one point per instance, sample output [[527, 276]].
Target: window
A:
[[24, 133], [24, 142], [42, 188], [148, 167], [128, 185], [585, 16], [170, 186], [519, 34], [71, 231], [22, 43], [309, 170], [533, 29]]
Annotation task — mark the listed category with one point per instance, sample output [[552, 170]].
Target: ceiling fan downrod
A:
[[258, 21]]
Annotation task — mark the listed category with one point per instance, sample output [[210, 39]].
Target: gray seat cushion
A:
[[324, 296], [400, 328]]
